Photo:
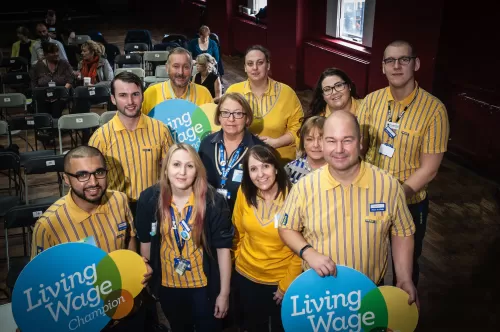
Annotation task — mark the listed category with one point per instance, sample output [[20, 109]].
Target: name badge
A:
[[52, 84], [237, 175], [386, 150], [224, 193], [122, 226], [393, 125], [181, 266], [276, 220], [391, 133], [185, 225], [377, 207]]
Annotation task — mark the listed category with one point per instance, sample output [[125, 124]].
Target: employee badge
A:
[[181, 266], [185, 235]]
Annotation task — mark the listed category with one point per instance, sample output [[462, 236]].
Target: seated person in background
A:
[[206, 76], [94, 64], [49, 72], [310, 150], [335, 91], [57, 30], [204, 44], [24, 46], [180, 67], [43, 34]]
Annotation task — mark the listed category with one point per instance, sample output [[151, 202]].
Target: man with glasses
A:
[[88, 210], [405, 132], [134, 144]]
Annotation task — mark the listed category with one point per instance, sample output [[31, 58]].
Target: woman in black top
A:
[[222, 152], [206, 76]]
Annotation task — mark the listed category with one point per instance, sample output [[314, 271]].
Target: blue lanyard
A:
[[226, 167], [180, 243]]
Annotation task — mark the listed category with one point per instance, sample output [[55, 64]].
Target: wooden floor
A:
[[460, 263]]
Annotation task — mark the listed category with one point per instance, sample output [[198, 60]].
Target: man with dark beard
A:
[[180, 69], [88, 210], [133, 144]]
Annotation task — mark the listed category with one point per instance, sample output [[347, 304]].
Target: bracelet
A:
[[301, 252]]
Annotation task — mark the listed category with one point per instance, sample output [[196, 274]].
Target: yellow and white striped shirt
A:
[[169, 252], [349, 224], [133, 157], [64, 221], [423, 128]]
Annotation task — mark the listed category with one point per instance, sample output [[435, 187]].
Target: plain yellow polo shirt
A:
[[134, 157], [158, 93], [424, 128], [276, 113], [64, 222], [169, 251], [343, 222], [260, 254]]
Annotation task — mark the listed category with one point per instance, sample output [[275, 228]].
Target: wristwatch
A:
[[304, 248]]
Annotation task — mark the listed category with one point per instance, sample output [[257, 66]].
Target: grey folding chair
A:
[[151, 60], [161, 75], [79, 39], [138, 71], [23, 216], [10, 167], [11, 101], [77, 121], [128, 61], [106, 116], [43, 165]]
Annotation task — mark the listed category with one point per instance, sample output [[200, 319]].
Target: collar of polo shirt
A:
[[269, 91], [405, 102], [77, 215], [118, 125], [363, 179], [190, 202]]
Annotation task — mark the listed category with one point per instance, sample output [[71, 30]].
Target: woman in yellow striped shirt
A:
[[265, 267], [189, 248], [276, 108]]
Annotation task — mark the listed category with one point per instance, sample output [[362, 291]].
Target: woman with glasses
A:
[[185, 231], [276, 108], [334, 91], [265, 266], [223, 151], [310, 149]]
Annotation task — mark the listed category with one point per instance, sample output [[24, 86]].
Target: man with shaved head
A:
[[405, 132], [345, 212]]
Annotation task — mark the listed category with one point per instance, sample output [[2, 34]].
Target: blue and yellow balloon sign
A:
[[76, 287], [349, 302], [187, 122]]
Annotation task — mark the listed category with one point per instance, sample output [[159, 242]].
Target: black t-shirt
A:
[[24, 50], [209, 154], [208, 83]]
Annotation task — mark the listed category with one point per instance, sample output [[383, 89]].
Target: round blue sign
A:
[[187, 121], [313, 303]]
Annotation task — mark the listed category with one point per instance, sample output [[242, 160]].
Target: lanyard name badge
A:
[[226, 167], [181, 265]]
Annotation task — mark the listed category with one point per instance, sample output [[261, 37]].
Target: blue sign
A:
[[187, 121], [75, 287], [313, 303]]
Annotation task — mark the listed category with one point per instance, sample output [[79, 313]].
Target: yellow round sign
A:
[[209, 110], [402, 317], [132, 270]]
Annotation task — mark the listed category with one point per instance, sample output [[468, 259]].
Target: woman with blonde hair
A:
[[207, 76], [185, 231], [94, 64]]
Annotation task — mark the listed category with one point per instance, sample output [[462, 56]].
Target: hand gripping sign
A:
[[349, 302], [76, 287]]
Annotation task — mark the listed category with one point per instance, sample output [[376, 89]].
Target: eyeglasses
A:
[[236, 115], [339, 86], [404, 60], [83, 176]]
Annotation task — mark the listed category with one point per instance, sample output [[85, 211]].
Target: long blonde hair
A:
[[199, 186]]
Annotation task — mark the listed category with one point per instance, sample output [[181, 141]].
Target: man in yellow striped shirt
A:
[[345, 212], [405, 132], [89, 209], [134, 144], [179, 86]]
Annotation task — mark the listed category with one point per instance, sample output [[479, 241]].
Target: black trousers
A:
[[133, 323], [189, 308], [54, 108], [419, 213], [258, 306]]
